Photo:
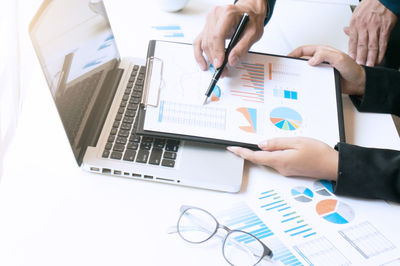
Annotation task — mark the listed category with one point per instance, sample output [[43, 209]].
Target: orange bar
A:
[[270, 71]]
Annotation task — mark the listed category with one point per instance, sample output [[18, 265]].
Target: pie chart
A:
[[335, 211], [286, 118], [302, 194], [323, 187]]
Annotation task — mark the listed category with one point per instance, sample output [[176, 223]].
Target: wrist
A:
[[361, 82], [255, 7]]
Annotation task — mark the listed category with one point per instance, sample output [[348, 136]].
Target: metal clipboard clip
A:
[[153, 81]]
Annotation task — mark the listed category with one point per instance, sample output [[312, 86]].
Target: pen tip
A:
[[205, 100]]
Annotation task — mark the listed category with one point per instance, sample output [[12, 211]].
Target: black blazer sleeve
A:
[[382, 91], [368, 173]]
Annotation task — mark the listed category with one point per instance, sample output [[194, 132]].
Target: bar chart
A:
[[252, 82], [291, 222], [241, 217]]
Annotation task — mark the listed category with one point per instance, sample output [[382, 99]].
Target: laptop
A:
[[97, 95]]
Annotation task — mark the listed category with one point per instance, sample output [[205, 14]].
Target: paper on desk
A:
[[263, 97], [304, 223]]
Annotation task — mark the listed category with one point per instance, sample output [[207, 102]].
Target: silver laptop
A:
[[97, 95]]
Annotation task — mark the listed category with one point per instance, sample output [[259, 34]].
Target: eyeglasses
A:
[[196, 226]]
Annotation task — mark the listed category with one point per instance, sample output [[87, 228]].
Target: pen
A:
[[235, 38]]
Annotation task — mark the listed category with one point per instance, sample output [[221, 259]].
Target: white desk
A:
[[53, 213]]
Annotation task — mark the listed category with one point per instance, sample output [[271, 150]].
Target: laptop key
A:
[[168, 163], [132, 145], [135, 67], [143, 156], [122, 140], [121, 110], [135, 138], [114, 131], [172, 145], [106, 153], [170, 155], [118, 117], [159, 143], [130, 113], [129, 155], [119, 147], [116, 155], [111, 138], [108, 146], [145, 146], [123, 133], [155, 157]]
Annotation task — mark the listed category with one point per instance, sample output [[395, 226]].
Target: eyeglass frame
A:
[[267, 252]]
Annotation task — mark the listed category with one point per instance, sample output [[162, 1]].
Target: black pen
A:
[[235, 38]]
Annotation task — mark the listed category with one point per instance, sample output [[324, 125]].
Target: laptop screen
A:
[[76, 49]]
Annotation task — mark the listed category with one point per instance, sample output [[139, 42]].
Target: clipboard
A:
[[267, 96]]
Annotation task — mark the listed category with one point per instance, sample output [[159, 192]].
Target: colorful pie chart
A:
[[286, 118], [335, 211], [302, 194]]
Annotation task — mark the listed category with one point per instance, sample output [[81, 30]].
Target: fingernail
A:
[[263, 144], [312, 60], [201, 66], [216, 62], [370, 64], [231, 148]]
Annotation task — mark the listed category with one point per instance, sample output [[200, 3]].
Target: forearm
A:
[[368, 173], [266, 6]]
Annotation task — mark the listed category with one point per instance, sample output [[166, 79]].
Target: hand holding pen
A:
[[235, 38]]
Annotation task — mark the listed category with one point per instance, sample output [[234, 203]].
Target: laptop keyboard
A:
[[123, 144]]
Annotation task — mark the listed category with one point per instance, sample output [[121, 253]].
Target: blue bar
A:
[[295, 228], [263, 229], [241, 219], [170, 27], [266, 205], [269, 191], [287, 94], [175, 34], [288, 259], [290, 213], [284, 255], [297, 263], [161, 110], [292, 261], [284, 209], [276, 207], [249, 225], [284, 221], [309, 235], [294, 95], [309, 229], [265, 235]]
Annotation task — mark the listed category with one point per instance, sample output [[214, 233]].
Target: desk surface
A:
[[53, 213]]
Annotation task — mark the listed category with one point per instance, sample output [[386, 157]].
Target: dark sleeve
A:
[[271, 5], [368, 172], [382, 91], [392, 5]]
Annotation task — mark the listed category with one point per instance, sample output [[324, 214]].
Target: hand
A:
[[221, 24], [353, 75], [295, 157], [369, 32]]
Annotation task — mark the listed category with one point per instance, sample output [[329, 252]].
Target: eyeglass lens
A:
[[239, 248], [196, 225], [242, 249]]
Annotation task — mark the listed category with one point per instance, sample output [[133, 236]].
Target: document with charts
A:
[[263, 96]]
